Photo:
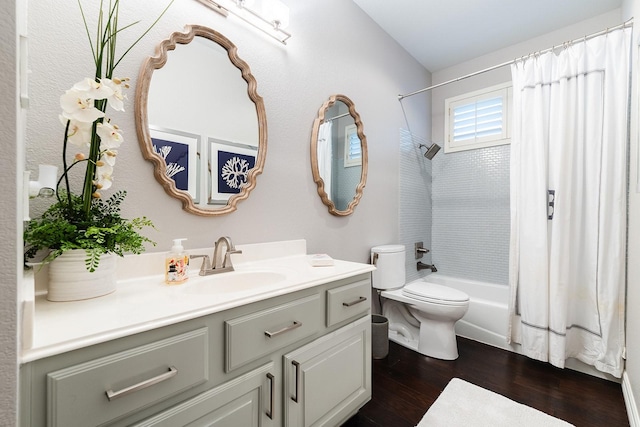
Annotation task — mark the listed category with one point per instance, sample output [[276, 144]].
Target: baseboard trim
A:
[[630, 401]]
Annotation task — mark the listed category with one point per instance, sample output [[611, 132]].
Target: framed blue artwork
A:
[[181, 153], [230, 164]]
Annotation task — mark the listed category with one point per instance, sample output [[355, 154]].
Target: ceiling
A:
[[442, 33]]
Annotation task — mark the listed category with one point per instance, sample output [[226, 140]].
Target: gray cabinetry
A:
[[238, 367], [329, 379]]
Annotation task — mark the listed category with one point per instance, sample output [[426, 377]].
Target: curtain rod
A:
[[336, 117], [513, 61]]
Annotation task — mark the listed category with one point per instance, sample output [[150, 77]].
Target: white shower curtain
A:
[[568, 203], [325, 155]]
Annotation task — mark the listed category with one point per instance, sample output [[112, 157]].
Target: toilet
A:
[[421, 315]]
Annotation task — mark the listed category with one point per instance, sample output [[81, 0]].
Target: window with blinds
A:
[[352, 147], [478, 119]]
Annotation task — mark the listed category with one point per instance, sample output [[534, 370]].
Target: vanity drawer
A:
[[248, 338], [101, 390], [348, 301]]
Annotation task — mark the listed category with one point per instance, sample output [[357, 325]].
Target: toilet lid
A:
[[434, 293]]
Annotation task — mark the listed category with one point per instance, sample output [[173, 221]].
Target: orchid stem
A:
[[64, 164]]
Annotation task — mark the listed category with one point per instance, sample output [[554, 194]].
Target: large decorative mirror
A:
[[339, 155], [200, 121]]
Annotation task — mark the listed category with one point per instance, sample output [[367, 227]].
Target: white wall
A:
[[335, 48], [631, 378], [10, 215]]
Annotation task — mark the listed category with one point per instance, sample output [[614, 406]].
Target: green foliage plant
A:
[[85, 220]]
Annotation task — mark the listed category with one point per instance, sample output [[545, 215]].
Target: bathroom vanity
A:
[[291, 350]]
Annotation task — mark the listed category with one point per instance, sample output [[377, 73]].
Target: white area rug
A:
[[464, 404]]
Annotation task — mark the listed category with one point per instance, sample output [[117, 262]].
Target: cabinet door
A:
[[249, 401], [329, 379]]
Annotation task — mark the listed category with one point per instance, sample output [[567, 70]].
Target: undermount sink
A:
[[235, 281]]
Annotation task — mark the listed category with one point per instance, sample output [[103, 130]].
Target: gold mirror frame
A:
[[142, 120], [314, 156]]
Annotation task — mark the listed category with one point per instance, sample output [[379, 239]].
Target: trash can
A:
[[379, 336]]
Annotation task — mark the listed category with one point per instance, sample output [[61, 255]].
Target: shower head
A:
[[432, 150]]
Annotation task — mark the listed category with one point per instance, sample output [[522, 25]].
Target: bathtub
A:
[[486, 320]]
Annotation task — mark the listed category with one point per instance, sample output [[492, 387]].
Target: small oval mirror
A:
[[200, 121], [339, 155]]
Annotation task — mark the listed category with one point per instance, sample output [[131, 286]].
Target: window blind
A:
[[478, 119]]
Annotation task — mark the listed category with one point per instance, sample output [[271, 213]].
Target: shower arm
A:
[[432, 150]]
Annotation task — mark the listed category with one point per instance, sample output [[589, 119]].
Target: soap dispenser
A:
[[176, 266]]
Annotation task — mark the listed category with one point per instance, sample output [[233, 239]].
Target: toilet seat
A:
[[435, 294]]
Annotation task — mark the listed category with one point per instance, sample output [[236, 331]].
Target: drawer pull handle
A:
[[358, 301], [272, 391], [283, 330], [297, 365], [172, 372]]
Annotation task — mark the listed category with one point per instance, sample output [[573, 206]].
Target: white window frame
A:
[[502, 90]]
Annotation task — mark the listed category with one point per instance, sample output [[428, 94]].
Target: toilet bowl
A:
[[421, 315]]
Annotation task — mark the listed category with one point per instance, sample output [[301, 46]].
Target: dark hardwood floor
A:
[[406, 383]]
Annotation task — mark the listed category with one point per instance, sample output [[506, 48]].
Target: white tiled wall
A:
[[415, 202], [470, 218], [458, 205]]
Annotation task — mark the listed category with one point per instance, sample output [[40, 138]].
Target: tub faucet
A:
[[422, 266], [221, 261]]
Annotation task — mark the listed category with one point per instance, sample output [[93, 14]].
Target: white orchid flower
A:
[[94, 89], [79, 133], [110, 136], [115, 100], [109, 157], [76, 105], [104, 176]]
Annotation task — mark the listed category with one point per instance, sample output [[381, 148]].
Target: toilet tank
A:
[[389, 262]]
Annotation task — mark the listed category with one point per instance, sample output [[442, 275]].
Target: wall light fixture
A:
[[45, 185], [269, 16]]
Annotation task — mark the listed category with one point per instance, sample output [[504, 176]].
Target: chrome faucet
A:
[[224, 263], [423, 266], [221, 260]]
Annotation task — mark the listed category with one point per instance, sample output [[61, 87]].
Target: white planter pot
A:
[[69, 279]]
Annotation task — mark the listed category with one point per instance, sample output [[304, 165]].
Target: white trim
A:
[[630, 401], [502, 90]]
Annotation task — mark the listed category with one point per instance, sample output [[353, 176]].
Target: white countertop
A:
[[143, 303]]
